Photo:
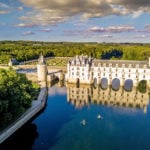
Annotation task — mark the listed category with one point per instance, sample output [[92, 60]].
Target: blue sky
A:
[[75, 20]]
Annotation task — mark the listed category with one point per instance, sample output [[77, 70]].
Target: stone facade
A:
[[86, 70]]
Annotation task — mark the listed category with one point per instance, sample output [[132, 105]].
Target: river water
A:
[[87, 118]]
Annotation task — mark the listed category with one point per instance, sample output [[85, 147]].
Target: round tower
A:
[[42, 69], [10, 63]]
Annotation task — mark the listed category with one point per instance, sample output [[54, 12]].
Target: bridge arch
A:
[[104, 83], [95, 82], [115, 84], [128, 84], [142, 85], [78, 82]]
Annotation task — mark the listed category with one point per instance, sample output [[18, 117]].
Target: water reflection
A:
[[86, 95], [23, 139]]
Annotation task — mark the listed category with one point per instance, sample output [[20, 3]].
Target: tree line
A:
[[29, 50]]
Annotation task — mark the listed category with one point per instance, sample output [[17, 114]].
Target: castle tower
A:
[[42, 69], [10, 63]]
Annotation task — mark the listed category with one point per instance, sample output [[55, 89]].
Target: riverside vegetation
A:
[[16, 95], [29, 50]]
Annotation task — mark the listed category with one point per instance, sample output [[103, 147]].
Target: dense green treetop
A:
[[28, 50], [16, 95]]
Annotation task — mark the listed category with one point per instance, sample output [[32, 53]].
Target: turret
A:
[[42, 69], [10, 63]]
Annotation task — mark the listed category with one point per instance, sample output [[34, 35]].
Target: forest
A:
[[16, 95], [29, 50]]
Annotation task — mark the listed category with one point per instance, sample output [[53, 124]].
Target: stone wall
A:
[[37, 106]]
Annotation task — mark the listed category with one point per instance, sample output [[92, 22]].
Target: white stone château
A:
[[86, 70]]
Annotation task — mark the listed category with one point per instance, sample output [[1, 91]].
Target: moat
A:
[[76, 118]]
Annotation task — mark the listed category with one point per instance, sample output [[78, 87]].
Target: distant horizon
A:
[[74, 42]]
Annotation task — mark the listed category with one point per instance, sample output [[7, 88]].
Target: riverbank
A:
[[37, 105]]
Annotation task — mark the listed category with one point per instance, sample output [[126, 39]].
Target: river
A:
[[87, 118]]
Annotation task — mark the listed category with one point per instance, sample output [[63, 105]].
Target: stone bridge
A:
[[47, 74]]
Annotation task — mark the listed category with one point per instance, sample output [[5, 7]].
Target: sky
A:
[[75, 20]]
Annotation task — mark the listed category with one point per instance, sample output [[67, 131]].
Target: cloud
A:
[[2, 5], [20, 8], [3, 12], [112, 29], [145, 30], [147, 26], [46, 30], [140, 36], [57, 91], [105, 36], [97, 29], [22, 25], [4, 9], [28, 33], [100, 32], [51, 12]]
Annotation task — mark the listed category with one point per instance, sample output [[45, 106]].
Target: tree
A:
[[16, 95]]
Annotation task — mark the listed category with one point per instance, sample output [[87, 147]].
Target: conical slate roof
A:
[[41, 60]]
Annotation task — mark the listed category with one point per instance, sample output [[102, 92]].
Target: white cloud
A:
[[2, 5], [22, 25], [55, 90], [46, 30], [97, 29], [112, 29], [20, 8], [3, 12], [105, 36], [147, 26], [28, 33], [141, 36], [4, 9], [51, 12]]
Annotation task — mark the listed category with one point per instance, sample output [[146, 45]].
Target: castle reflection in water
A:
[[85, 95]]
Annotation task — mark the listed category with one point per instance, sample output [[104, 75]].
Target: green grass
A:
[[62, 62]]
